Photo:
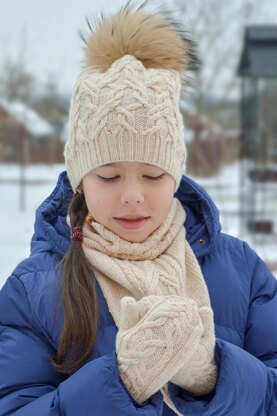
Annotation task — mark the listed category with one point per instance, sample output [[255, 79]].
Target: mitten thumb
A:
[[206, 315], [129, 313]]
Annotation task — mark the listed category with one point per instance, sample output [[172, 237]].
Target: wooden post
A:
[[23, 164]]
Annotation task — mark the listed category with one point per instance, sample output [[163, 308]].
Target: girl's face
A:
[[129, 189]]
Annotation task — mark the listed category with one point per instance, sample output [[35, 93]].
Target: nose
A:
[[132, 194]]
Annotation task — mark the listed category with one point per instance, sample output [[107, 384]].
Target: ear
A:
[[79, 189], [89, 219]]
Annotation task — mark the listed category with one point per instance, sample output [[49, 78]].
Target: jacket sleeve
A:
[[30, 386], [247, 378]]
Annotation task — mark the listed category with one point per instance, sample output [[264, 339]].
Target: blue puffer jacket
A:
[[243, 294]]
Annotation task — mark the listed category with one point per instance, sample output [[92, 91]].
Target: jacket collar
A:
[[202, 223]]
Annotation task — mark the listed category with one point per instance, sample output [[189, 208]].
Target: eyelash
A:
[[152, 178]]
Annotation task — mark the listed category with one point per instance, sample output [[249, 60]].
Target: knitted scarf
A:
[[163, 264]]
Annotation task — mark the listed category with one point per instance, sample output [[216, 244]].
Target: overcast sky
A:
[[47, 33]]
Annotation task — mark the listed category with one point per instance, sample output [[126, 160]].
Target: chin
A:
[[135, 238]]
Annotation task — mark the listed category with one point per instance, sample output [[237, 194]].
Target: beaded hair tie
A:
[[76, 233]]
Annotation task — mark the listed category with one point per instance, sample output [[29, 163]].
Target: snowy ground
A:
[[17, 226]]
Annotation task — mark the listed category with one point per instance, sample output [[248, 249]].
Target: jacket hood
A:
[[52, 233]]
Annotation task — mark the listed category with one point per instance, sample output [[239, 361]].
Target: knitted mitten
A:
[[157, 336], [199, 375]]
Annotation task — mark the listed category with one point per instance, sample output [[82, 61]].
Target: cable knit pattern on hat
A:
[[125, 103], [165, 266], [129, 113]]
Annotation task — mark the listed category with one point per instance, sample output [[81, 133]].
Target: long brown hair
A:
[[79, 299]]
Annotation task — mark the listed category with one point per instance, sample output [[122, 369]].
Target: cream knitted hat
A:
[[125, 103]]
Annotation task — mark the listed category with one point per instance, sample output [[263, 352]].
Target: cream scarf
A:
[[163, 264]]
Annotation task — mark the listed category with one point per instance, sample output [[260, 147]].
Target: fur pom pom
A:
[[156, 39]]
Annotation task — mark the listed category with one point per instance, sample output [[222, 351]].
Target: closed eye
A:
[[152, 178], [107, 179], [155, 178]]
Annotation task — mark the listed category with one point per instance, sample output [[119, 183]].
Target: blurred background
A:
[[229, 110]]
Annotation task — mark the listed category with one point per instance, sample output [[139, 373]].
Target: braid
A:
[[79, 299]]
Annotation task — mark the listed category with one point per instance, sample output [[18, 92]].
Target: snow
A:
[[225, 192], [28, 117], [17, 226]]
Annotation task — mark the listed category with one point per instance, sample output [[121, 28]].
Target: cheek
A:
[[161, 202], [100, 206], [93, 194], [94, 203], [166, 197], [165, 193]]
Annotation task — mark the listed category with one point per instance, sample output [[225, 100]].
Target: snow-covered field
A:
[[17, 226]]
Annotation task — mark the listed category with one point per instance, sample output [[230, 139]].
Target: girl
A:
[[133, 302]]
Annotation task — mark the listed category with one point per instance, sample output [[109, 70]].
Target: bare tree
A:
[[217, 27], [16, 81]]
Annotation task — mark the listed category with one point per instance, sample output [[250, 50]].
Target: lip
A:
[[131, 224], [132, 216]]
